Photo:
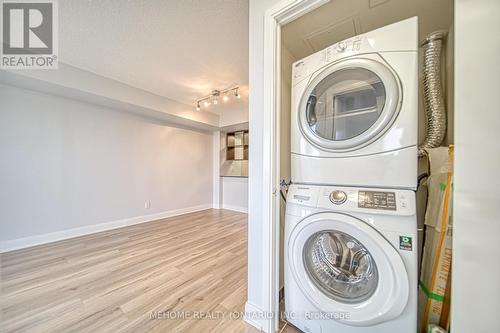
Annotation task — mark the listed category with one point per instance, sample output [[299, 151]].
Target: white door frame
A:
[[282, 13]]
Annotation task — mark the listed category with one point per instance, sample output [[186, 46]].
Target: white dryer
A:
[[354, 111], [351, 260]]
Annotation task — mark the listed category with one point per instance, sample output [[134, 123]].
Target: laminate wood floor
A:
[[117, 280]]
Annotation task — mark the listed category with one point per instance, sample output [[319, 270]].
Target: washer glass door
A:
[[340, 266], [348, 104]]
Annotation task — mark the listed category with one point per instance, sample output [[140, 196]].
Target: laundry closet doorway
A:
[[282, 22]]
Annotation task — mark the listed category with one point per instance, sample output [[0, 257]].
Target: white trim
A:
[[240, 209], [21, 243], [282, 13], [255, 316]]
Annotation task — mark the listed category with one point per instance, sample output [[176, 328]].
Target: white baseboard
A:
[[254, 316], [235, 208], [21, 243]]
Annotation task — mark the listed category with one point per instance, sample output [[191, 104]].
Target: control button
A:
[[338, 197], [341, 46], [298, 70], [356, 45], [329, 53]]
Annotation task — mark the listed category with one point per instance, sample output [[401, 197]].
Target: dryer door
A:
[[349, 104], [347, 269]]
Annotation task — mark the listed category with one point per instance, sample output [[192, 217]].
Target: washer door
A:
[[349, 104], [347, 269]]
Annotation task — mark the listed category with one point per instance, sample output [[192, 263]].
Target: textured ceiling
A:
[[341, 19], [177, 49]]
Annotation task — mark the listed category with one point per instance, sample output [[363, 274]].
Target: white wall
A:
[[216, 162], [66, 164], [476, 246], [72, 82], [235, 193], [234, 115]]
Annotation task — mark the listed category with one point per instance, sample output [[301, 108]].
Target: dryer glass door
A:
[[348, 104], [341, 266], [345, 104]]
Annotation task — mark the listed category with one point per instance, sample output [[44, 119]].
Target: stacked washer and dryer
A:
[[350, 228]]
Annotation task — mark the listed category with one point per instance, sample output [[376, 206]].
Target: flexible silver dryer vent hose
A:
[[435, 110]]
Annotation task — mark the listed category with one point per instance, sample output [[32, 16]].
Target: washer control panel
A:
[[352, 199], [338, 197], [377, 200]]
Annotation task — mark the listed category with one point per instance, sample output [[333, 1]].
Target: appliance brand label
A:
[[405, 243]]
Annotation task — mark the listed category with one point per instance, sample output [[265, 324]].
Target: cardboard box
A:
[[435, 277]]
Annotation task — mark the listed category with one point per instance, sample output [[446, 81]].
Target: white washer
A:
[[351, 259], [354, 111]]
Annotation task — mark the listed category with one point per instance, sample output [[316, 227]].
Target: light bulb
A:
[[198, 108], [237, 94], [206, 104], [225, 98], [215, 101]]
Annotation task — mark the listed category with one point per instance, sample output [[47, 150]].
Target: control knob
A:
[[338, 197], [341, 46]]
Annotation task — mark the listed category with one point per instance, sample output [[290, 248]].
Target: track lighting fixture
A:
[[213, 98]]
